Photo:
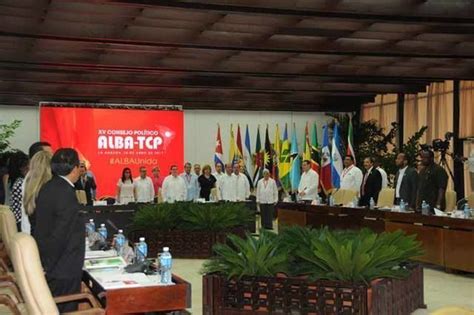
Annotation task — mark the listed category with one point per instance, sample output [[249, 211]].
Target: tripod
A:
[[444, 164]]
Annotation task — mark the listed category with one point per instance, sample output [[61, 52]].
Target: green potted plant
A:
[[305, 270], [189, 229]]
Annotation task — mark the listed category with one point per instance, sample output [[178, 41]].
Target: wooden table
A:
[[141, 300], [448, 242]]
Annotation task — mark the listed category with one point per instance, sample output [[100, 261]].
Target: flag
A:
[[258, 159], [307, 145], [350, 141], [232, 149], [325, 175], [336, 158], [295, 171], [218, 150], [238, 152], [247, 154], [268, 152], [315, 156], [284, 165], [276, 156]]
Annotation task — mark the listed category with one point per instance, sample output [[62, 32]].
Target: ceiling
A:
[[312, 55]]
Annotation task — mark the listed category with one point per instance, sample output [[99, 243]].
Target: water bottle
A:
[[372, 203], [103, 232], [355, 202], [467, 211], [119, 242], [318, 200], [141, 250], [90, 227], [425, 208], [166, 262], [402, 205], [331, 200]]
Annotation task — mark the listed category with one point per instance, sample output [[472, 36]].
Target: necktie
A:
[[363, 183]]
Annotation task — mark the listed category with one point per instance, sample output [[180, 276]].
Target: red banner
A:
[[109, 140]]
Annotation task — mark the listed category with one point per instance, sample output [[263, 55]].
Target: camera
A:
[[439, 144]]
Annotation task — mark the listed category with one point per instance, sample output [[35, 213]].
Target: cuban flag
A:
[[336, 158], [218, 151]]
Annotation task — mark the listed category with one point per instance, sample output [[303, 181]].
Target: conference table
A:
[[120, 292], [447, 241]]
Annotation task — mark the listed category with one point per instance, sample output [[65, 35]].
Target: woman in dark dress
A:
[[207, 181]]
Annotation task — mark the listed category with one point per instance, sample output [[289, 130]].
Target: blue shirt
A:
[[192, 186]]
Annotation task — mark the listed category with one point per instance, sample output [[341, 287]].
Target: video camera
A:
[[438, 144]]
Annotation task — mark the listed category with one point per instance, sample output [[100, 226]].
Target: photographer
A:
[[432, 183]]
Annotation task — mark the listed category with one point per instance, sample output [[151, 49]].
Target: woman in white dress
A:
[[125, 187]]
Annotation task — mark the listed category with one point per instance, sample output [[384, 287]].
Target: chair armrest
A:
[[4, 265], [14, 288], [78, 297], [92, 311], [8, 302]]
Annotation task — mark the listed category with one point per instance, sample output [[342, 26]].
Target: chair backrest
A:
[[470, 200], [30, 277], [81, 197], [450, 200], [215, 193], [349, 196], [8, 227], [3, 207], [338, 196], [386, 197]]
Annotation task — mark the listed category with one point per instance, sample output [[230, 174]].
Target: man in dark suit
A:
[[371, 183], [59, 229], [406, 181], [85, 183], [432, 183]]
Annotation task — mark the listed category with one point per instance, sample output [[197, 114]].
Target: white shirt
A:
[[243, 187], [25, 221], [227, 186], [352, 178], [126, 194], [144, 189], [401, 173], [309, 184], [267, 191], [384, 177], [173, 189], [218, 175], [192, 186]]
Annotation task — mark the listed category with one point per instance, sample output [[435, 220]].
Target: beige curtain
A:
[[383, 109], [466, 94], [434, 109], [468, 175]]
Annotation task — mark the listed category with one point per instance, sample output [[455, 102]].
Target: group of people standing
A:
[[44, 201], [427, 182]]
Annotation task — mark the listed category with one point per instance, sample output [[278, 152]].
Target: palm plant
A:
[[252, 256], [214, 217], [363, 257], [161, 217]]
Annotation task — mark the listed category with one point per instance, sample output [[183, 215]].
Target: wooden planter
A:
[[183, 244], [279, 295]]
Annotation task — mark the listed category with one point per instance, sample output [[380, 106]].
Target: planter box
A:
[[183, 244], [279, 295]]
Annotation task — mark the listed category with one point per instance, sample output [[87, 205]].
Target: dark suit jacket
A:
[[88, 186], [59, 230], [409, 186], [372, 187]]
